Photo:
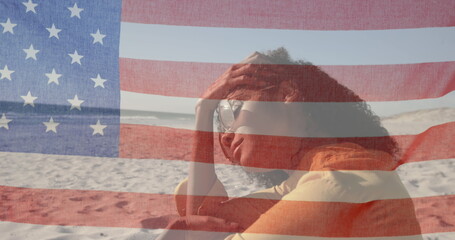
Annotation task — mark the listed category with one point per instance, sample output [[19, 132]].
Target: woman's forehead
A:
[[245, 94], [241, 94]]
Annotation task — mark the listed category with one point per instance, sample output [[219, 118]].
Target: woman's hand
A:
[[204, 223], [248, 75], [201, 227]]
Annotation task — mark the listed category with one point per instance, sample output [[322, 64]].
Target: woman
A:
[[336, 183]]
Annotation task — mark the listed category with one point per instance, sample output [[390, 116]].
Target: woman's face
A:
[[258, 137]]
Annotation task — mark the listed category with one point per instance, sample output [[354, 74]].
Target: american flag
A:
[[72, 73]]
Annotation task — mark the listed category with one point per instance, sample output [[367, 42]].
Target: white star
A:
[[31, 52], [98, 128], [8, 26], [53, 77], [53, 31], [28, 100], [75, 11], [51, 125], [6, 73], [75, 103], [30, 6], [4, 122], [98, 37], [98, 81], [75, 57]]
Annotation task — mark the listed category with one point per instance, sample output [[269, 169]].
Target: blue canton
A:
[[59, 76]]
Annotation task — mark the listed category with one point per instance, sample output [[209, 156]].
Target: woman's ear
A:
[[289, 92]]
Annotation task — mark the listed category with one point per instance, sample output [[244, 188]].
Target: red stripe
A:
[[293, 14], [370, 82], [141, 210], [140, 141], [83, 207]]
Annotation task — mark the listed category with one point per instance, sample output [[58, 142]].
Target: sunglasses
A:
[[227, 112]]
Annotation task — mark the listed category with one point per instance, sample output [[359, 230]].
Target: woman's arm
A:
[[202, 174], [201, 180]]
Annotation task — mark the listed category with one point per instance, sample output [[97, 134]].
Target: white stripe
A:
[[231, 45], [185, 105], [259, 236], [19, 231], [410, 124], [33, 170]]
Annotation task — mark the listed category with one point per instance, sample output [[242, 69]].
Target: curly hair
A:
[[342, 113], [332, 106]]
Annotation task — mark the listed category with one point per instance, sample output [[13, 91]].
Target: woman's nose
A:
[[227, 138]]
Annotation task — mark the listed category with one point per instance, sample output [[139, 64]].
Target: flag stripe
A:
[[140, 210], [24, 230], [366, 47], [394, 125], [186, 121], [293, 14], [370, 82], [445, 236], [140, 141], [69, 172], [147, 103]]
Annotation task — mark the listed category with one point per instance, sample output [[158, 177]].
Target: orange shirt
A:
[[348, 191]]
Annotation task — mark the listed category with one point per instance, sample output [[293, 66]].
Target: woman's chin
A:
[[255, 170], [253, 165]]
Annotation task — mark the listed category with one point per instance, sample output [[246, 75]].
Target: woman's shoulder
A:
[[347, 156], [346, 172], [347, 186]]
